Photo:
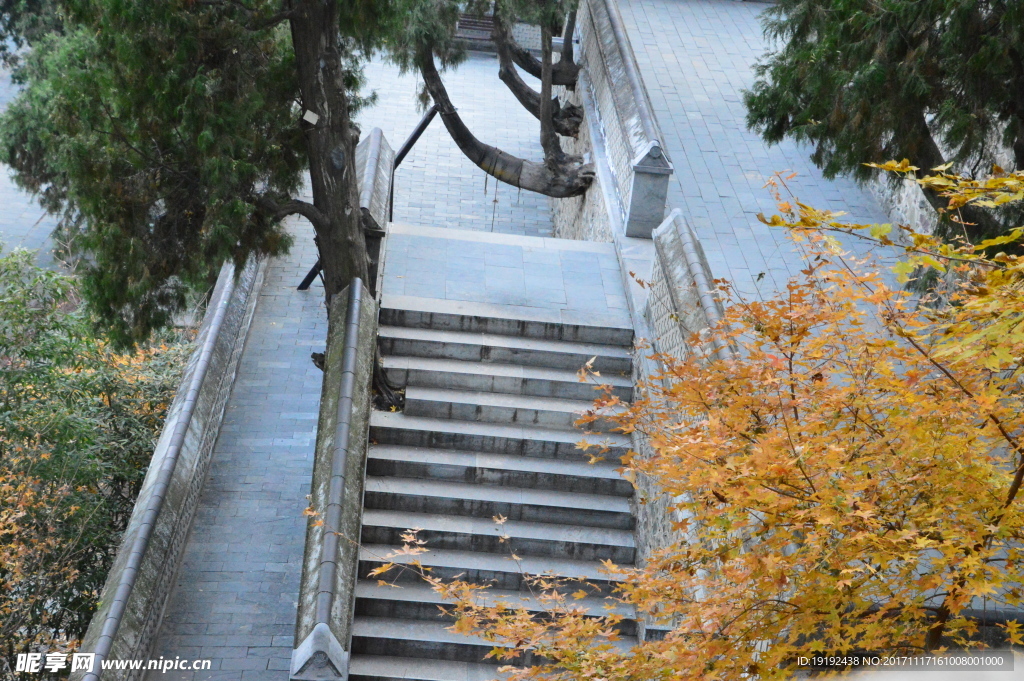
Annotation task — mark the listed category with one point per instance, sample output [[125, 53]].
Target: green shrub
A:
[[78, 423]]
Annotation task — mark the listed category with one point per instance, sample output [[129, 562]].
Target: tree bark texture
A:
[[565, 72], [559, 180], [567, 119], [331, 142]]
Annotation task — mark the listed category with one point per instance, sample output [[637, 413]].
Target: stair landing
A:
[[490, 275]]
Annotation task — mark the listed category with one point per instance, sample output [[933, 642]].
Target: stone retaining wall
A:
[[206, 399], [620, 134], [323, 652]]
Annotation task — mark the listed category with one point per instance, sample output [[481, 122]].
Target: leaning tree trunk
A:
[[331, 141], [559, 178], [565, 72], [567, 119]]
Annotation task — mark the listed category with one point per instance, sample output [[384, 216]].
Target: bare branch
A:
[[307, 210]]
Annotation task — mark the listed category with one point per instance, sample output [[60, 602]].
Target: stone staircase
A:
[[487, 430]]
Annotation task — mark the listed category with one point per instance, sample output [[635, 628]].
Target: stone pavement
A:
[[436, 184], [235, 598], [695, 57], [23, 224]]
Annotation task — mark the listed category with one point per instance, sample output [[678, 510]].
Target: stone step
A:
[[467, 405], [502, 470], [498, 571], [397, 637], [416, 638], [421, 602], [446, 315], [479, 501], [483, 535], [481, 347], [397, 428], [391, 668], [511, 379]]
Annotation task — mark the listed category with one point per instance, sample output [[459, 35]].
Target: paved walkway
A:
[[696, 57], [235, 599], [436, 184], [503, 276]]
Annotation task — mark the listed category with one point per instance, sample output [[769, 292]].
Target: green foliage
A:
[[156, 127], [164, 133], [869, 81], [23, 23], [78, 423]]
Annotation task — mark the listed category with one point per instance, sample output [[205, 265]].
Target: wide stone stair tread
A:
[[452, 464], [396, 633], [488, 430], [484, 535], [483, 347], [452, 560], [410, 630], [532, 505], [514, 379], [469, 405], [416, 638], [390, 668], [388, 427], [499, 399], [475, 317]]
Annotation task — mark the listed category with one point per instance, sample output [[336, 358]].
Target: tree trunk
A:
[[331, 141], [560, 181], [566, 119], [925, 153], [565, 72], [554, 157]]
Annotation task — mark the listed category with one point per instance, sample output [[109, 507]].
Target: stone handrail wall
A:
[[375, 162], [142, 576], [618, 109], [682, 300], [681, 305], [323, 627]]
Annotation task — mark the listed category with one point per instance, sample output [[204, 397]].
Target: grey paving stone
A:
[[543, 275], [696, 56], [436, 184], [237, 587]]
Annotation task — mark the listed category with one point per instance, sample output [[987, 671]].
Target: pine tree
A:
[[933, 81]]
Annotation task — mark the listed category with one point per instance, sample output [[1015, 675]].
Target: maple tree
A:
[[848, 480]]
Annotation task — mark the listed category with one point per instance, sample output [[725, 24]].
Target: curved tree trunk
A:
[[565, 72], [331, 141], [566, 119], [559, 180]]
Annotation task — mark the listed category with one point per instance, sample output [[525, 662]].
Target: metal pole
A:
[[404, 151], [310, 276]]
